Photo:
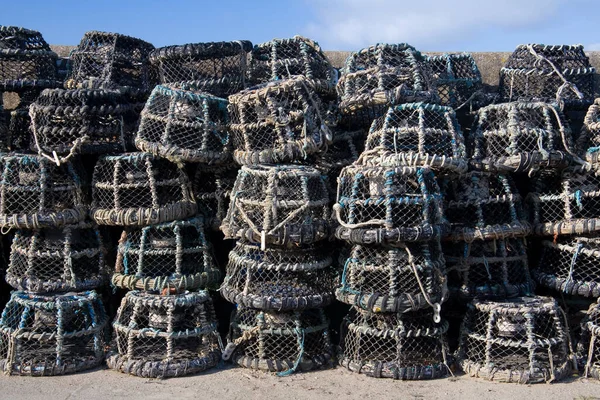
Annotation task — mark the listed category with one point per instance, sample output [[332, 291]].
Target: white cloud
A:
[[357, 23]]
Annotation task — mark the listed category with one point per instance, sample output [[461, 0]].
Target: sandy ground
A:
[[238, 383]]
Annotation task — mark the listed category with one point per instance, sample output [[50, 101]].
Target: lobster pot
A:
[[217, 68], [588, 142], [488, 269], [521, 137], [401, 278], [565, 204], [171, 255], [380, 76], [277, 122], [14, 129], [548, 73], [36, 193], [570, 265], [278, 205], [388, 205], [522, 340], [139, 189], [165, 336], [456, 78], [110, 60], [282, 342], [279, 278], [483, 205], [589, 345], [57, 260], [84, 121], [344, 150], [416, 134], [52, 335], [399, 346], [212, 187], [184, 125]]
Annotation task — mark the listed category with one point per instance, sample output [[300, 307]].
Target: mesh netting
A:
[[212, 187], [483, 205], [589, 345], [283, 342], [456, 78], [588, 142], [218, 68], [570, 265], [17, 135], [140, 189], [521, 137], [399, 346], [36, 193], [522, 340], [184, 125], [171, 255], [380, 76], [279, 278], [52, 335], [345, 149], [416, 134], [26, 60], [111, 60], [83, 121], [278, 205], [165, 336], [378, 205], [493, 269], [394, 279], [277, 122], [568, 203], [548, 73], [51, 260]]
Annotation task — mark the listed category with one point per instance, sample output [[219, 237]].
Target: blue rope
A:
[[300, 333]]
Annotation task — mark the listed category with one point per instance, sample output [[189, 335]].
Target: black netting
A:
[[523, 340], [36, 193], [589, 346], [54, 335], [212, 187], [283, 342], [218, 68], [15, 134], [385, 204], [588, 142], [140, 189], [456, 78], [278, 205], [399, 346], [183, 124], [165, 336]]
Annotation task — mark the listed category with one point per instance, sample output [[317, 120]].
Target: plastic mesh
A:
[[399, 279], [570, 265], [589, 345], [111, 60], [521, 340], [52, 335], [36, 193], [399, 346], [483, 205], [165, 336], [521, 137], [588, 142], [456, 78], [277, 122], [377, 205], [416, 134], [283, 342], [183, 124], [548, 73], [84, 121], [279, 278], [493, 269], [171, 255], [53, 260], [568, 203], [140, 189], [278, 205], [218, 68], [212, 189]]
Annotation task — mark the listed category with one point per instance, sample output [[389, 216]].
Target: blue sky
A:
[[429, 25]]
